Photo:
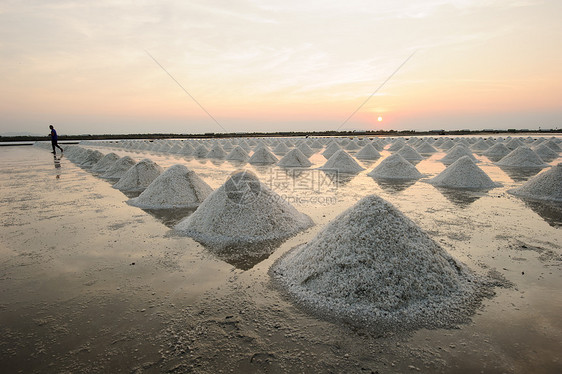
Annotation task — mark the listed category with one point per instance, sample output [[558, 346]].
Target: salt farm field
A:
[[92, 284]]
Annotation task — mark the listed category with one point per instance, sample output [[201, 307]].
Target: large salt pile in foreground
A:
[[119, 168], [105, 163], [373, 267], [342, 162], [395, 167], [295, 158], [544, 186], [177, 187], [463, 173], [522, 156], [243, 210], [139, 176]]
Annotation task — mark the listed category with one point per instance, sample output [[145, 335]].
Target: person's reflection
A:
[[57, 165]]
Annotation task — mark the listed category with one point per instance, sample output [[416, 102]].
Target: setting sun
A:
[[379, 119]]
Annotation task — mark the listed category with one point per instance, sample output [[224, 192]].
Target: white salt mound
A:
[[281, 149], [243, 210], [480, 146], [91, 158], [463, 173], [216, 152], [425, 148], [373, 267], [457, 152], [119, 168], [305, 149], [238, 154], [139, 177], [332, 148], [544, 186], [177, 187], [409, 153], [105, 163], [397, 145], [545, 152], [368, 152], [343, 163], [295, 158], [200, 151], [262, 156], [395, 167], [497, 150], [552, 144], [522, 156]]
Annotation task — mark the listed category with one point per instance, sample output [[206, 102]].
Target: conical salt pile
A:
[[243, 210], [372, 266], [216, 152], [332, 148], [368, 152], [447, 144], [119, 168], [315, 144], [409, 153], [497, 151], [200, 151], [139, 177], [457, 152], [514, 143], [177, 187], [295, 158], [343, 163], [545, 152], [281, 149], [395, 167], [544, 186], [105, 163], [91, 158], [522, 156], [262, 156], [187, 150], [397, 145], [352, 146], [238, 154], [479, 146], [553, 145], [176, 148], [305, 149], [463, 173], [425, 148]]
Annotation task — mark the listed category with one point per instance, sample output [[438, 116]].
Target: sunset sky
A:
[[271, 65]]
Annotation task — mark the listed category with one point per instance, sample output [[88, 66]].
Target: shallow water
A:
[[91, 284]]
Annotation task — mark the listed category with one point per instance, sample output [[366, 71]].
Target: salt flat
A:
[[90, 283]]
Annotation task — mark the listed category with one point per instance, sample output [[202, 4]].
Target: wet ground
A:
[[91, 284]]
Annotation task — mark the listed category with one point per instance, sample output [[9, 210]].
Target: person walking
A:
[[54, 139]]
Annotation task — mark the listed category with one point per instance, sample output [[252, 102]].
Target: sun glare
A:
[[379, 119]]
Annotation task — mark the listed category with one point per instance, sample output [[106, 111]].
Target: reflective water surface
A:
[[91, 284]]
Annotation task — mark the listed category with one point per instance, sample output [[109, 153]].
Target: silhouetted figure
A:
[[54, 139]]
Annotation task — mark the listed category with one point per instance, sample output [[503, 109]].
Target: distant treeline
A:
[[274, 134]]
